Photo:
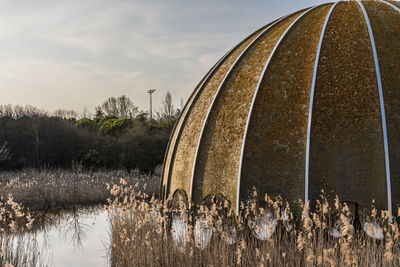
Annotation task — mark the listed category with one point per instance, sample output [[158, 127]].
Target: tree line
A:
[[117, 136]]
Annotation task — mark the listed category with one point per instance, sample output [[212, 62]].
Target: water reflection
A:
[[77, 237]]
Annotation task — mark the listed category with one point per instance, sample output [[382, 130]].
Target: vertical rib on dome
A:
[[273, 152], [177, 130], [215, 172], [184, 154], [310, 104], [382, 108], [385, 22], [171, 146], [393, 3], [347, 152], [229, 82]]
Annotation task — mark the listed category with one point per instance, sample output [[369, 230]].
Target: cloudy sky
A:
[[76, 53]]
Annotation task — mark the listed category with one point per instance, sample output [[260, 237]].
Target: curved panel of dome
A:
[[178, 126], [382, 107], [182, 163], [395, 3], [274, 152], [177, 131], [386, 30], [217, 163], [347, 151], [310, 106]]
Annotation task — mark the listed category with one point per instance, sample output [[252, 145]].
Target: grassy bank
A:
[[62, 189], [155, 234]]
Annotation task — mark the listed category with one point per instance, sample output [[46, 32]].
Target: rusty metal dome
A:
[[310, 101]]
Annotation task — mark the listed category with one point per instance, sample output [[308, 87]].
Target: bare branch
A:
[[167, 110], [4, 152], [121, 107]]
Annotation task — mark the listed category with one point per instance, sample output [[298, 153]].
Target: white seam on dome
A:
[[254, 99], [194, 95], [390, 4], [382, 105], [311, 103], [219, 89]]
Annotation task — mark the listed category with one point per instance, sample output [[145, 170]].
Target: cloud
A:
[[76, 53]]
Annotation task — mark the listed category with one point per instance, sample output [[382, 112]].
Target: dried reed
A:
[[174, 233]]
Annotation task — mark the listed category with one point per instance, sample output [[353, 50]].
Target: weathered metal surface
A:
[[385, 22], [396, 3], [178, 127], [311, 103], [253, 132], [217, 95], [347, 151], [215, 171], [390, 4], [274, 153], [381, 106], [181, 172], [177, 131]]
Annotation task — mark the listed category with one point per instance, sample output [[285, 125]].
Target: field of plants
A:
[[60, 189], [169, 234], [27, 196], [147, 232]]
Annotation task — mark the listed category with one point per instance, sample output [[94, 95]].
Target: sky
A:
[[74, 54]]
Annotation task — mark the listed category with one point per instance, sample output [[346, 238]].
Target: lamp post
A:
[[151, 91]]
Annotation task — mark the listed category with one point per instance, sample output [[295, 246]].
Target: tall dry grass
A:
[[18, 246], [151, 233], [27, 197], [63, 189]]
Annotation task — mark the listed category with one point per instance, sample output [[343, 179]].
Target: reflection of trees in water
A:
[[70, 224], [21, 229], [76, 228]]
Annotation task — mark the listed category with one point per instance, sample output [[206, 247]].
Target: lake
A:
[[75, 238]]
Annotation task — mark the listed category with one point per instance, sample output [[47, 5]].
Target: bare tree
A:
[[7, 110], [121, 107], [167, 110], [18, 111], [32, 111], [65, 114], [85, 114], [4, 152]]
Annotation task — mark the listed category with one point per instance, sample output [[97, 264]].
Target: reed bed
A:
[[28, 197], [18, 245], [174, 233], [64, 189]]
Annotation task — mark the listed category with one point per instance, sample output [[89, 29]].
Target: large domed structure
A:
[[310, 101]]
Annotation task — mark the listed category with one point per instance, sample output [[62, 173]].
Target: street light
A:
[[151, 107]]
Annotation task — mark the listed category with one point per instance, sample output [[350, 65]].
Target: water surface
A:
[[75, 238]]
